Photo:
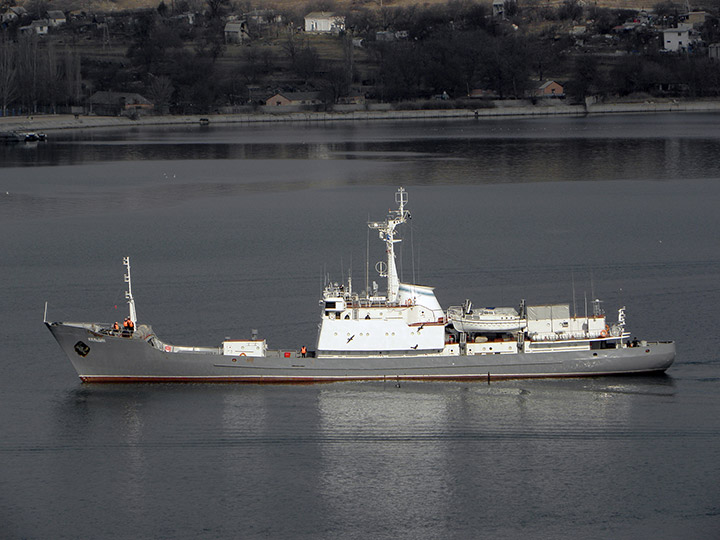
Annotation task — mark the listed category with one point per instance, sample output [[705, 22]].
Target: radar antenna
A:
[[386, 231], [128, 293]]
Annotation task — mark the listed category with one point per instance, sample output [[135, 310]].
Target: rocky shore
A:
[[42, 123]]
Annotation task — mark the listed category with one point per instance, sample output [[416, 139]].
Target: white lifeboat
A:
[[485, 320]]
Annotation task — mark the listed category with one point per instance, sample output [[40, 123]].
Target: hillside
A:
[[347, 5], [446, 55]]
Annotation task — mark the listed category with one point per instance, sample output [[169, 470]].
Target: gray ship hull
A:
[[108, 358]]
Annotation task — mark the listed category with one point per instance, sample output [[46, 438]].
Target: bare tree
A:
[[291, 45], [73, 80], [216, 7], [161, 91], [8, 72], [28, 71], [51, 77]]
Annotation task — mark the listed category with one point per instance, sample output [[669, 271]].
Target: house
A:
[[324, 22], [390, 35], [385, 35], [56, 18], [236, 32], [187, 17], [695, 18], [117, 103], [482, 93], [352, 99], [294, 98], [13, 14], [498, 8], [39, 27], [714, 51], [262, 17], [678, 39], [550, 89]]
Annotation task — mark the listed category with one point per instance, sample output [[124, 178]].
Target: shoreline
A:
[[57, 122]]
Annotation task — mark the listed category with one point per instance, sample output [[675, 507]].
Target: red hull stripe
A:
[[309, 380]]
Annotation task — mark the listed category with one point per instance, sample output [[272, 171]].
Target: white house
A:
[[678, 39], [39, 27], [324, 21], [498, 8]]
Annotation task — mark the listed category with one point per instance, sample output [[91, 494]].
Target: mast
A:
[[386, 231], [128, 293]]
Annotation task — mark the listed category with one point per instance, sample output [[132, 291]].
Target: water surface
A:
[[231, 229]]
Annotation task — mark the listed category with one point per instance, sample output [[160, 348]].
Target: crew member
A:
[[116, 327], [128, 326], [303, 351]]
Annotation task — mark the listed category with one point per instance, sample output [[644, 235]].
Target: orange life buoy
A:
[[606, 332], [243, 354]]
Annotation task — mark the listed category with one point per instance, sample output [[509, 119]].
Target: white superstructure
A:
[[405, 319]]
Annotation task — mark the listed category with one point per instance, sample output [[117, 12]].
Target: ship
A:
[[400, 333]]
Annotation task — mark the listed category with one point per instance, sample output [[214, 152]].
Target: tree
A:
[[152, 40], [8, 73], [630, 75], [28, 71], [217, 7], [291, 45], [570, 10], [211, 43], [336, 84], [665, 9], [710, 30], [72, 77], [584, 79], [234, 88], [307, 61], [161, 91], [511, 8], [51, 78], [400, 70], [362, 22], [194, 79], [505, 66], [448, 63]]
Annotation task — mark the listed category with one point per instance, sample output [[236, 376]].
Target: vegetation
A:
[[180, 60]]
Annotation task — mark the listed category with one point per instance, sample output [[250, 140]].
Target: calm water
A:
[[231, 229]]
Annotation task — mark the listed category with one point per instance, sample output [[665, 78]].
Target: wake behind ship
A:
[[397, 334]]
